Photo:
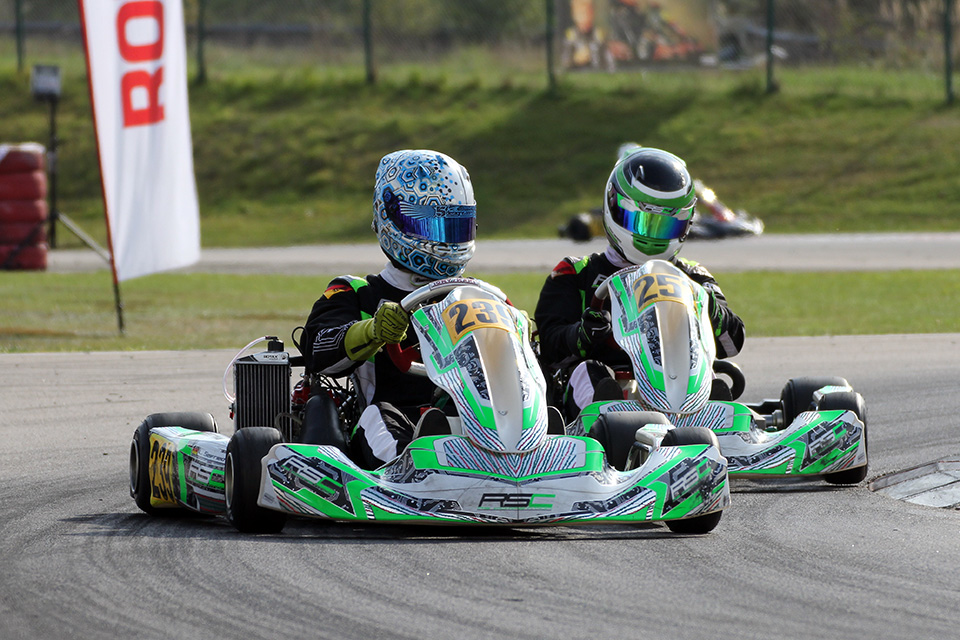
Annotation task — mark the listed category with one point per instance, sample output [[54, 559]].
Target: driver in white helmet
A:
[[424, 215], [647, 211]]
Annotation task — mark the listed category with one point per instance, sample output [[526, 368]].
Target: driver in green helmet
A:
[[647, 211]]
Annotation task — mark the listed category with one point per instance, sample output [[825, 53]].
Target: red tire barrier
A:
[[18, 232], [16, 211], [31, 257], [20, 158], [31, 185]]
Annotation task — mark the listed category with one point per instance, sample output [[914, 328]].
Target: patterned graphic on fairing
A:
[[459, 369], [656, 306]]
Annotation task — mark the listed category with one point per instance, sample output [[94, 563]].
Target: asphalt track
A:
[[817, 252], [789, 559]]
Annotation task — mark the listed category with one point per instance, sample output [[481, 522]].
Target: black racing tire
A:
[[797, 394], [696, 526], [852, 401], [684, 436], [241, 478], [689, 435], [616, 431], [140, 451]]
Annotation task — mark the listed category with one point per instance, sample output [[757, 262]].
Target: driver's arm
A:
[[558, 314], [325, 331]]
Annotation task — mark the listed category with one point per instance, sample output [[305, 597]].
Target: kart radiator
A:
[[261, 384]]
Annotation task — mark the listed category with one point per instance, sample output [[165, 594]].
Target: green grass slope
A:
[[289, 157]]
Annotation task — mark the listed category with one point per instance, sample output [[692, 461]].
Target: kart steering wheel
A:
[[603, 291], [409, 360]]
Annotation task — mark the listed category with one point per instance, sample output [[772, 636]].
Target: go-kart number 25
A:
[[657, 287], [467, 315]]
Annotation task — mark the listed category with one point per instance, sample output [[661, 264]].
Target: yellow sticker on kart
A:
[[651, 288], [163, 463], [468, 315]]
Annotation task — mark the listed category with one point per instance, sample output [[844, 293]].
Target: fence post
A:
[[948, 47], [771, 83], [18, 10], [201, 36], [551, 26], [368, 41]]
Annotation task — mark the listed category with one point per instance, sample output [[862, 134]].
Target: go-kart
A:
[[502, 460], [712, 220], [660, 319]]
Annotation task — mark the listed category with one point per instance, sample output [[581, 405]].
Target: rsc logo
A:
[[495, 501]]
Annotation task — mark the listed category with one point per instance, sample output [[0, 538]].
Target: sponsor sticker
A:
[[163, 461]]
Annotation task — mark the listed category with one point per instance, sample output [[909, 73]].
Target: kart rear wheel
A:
[[797, 394], [241, 478], [616, 431], [140, 450], [848, 401], [684, 436]]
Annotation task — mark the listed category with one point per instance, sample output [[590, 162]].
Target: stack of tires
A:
[[23, 206]]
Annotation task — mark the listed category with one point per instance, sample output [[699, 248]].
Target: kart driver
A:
[[424, 215], [647, 211]]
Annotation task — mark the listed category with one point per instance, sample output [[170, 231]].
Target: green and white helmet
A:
[[649, 204]]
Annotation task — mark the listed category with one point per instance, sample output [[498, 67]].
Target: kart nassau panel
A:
[[475, 348], [186, 469], [448, 480], [662, 322], [815, 443]]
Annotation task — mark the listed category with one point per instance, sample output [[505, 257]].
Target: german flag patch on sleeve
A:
[[334, 289]]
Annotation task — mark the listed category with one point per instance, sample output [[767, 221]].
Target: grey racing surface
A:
[[811, 252], [788, 560]]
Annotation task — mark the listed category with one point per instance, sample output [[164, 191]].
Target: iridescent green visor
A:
[[669, 224]]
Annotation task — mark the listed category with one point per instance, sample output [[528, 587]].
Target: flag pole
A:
[[118, 303]]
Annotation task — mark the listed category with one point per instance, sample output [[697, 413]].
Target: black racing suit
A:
[[349, 299], [568, 291]]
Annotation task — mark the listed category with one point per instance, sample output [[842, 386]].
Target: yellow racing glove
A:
[[387, 326]]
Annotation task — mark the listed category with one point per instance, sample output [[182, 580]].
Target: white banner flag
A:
[[136, 63]]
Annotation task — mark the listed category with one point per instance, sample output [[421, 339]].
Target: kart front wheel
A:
[[241, 479], [847, 401], [797, 394], [692, 435], [617, 430], [140, 450]]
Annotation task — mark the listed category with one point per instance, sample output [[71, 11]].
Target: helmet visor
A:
[[450, 223], [669, 225]]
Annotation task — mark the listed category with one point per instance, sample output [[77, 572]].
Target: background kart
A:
[[503, 460], [712, 220], [660, 319]]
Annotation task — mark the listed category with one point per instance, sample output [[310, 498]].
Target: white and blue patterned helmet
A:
[[424, 212]]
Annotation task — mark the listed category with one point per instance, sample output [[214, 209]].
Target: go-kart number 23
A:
[[658, 287], [468, 315]]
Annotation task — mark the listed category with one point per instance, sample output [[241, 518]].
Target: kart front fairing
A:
[[660, 319], [474, 346]]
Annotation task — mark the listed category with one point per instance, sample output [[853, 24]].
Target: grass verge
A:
[[75, 312]]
